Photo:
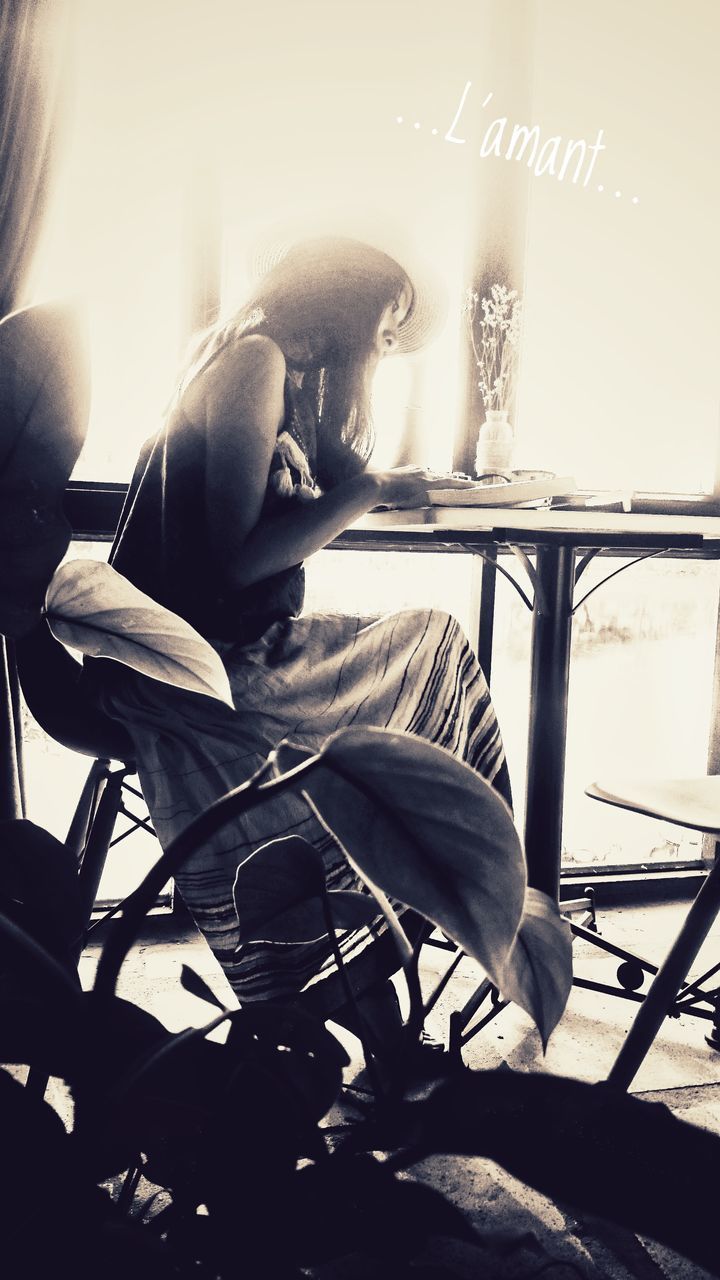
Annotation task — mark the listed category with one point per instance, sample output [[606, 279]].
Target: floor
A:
[[524, 1233], [681, 1070]]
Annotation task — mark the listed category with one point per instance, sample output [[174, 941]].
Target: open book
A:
[[508, 494]]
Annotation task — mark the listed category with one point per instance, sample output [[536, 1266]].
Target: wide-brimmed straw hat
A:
[[429, 306]]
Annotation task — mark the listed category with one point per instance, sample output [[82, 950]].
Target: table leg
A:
[[547, 729], [487, 611]]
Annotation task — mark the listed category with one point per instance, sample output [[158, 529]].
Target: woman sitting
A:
[[261, 462]]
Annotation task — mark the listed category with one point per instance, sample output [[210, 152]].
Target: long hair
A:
[[332, 293]]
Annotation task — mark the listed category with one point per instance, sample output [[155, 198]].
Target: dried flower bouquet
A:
[[494, 326]]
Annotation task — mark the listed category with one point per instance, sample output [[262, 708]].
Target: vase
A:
[[495, 445]]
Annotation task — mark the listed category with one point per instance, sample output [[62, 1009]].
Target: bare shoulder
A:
[[249, 372]]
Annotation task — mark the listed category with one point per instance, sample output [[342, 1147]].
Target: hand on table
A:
[[410, 486]]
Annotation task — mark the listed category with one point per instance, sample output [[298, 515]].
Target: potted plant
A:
[[243, 1176]]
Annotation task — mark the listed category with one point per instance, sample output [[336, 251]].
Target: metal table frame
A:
[[552, 581]]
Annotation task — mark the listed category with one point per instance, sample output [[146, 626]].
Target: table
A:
[[555, 537]]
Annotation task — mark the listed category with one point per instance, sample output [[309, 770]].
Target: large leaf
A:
[[305, 922], [278, 879], [41, 874], [278, 894], [39, 1171], [93, 608], [537, 974], [427, 829], [44, 403], [197, 986], [295, 1048]]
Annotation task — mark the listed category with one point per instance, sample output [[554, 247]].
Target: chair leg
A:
[[100, 835], [91, 831], [666, 985], [83, 815]]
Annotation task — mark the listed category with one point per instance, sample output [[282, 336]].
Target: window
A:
[[385, 581], [640, 699], [189, 114], [641, 683], [619, 382], [186, 106]]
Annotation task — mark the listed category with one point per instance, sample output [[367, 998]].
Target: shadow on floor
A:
[[524, 1233]]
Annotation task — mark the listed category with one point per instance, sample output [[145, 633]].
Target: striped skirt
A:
[[306, 677]]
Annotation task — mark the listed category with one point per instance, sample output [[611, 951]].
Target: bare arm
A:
[[243, 405]]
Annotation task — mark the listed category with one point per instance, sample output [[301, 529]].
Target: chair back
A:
[[58, 694], [44, 408]]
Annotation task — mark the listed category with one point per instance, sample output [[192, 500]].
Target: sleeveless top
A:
[[162, 544]]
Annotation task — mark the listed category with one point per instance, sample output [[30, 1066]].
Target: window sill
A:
[[611, 889]]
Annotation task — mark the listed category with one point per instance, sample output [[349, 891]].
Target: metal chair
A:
[[55, 692], [44, 403], [693, 803]]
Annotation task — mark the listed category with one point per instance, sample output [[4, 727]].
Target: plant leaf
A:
[[33, 1206], [197, 986], [286, 756], [351, 909], [42, 874], [427, 829], [35, 1033], [276, 885], [294, 1051], [277, 1025], [32, 965], [306, 921], [91, 607], [538, 971], [44, 404], [278, 895]]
